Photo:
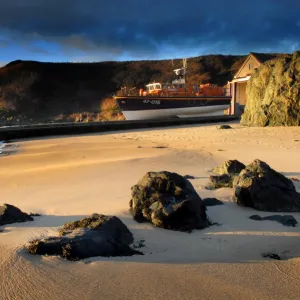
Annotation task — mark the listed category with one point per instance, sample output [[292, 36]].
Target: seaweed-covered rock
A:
[[10, 214], [168, 200], [260, 187], [226, 171], [229, 167], [97, 235], [273, 94]]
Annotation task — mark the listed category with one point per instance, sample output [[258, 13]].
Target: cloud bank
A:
[[135, 29]]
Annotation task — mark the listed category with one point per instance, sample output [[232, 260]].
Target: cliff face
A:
[[273, 94], [34, 89]]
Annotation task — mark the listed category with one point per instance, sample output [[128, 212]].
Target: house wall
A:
[[241, 93], [246, 70], [238, 88]]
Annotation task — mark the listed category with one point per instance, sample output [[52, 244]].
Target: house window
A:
[[250, 66]]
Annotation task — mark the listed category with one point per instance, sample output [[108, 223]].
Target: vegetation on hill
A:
[[35, 91]]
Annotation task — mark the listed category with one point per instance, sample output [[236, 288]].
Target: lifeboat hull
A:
[[143, 108]]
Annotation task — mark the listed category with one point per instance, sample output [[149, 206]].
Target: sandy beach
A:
[[68, 178]]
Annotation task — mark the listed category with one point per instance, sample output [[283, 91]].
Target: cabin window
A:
[[157, 87], [250, 66]]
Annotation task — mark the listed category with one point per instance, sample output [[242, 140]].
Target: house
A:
[[238, 84]]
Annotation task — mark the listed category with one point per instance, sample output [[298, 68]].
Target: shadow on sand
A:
[[240, 240]]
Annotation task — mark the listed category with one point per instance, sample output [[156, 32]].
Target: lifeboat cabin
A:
[[182, 89]]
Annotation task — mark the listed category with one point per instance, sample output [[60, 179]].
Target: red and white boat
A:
[[177, 99]]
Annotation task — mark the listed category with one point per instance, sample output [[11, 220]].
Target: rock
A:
[[189, 177], [226, 174], [229, 167], [260, 187], [168, 200], [286, 220], [273, 93], [212, 202], [220, 181], [256, 218], [97, 235], [271, 255], [295, 179], [10, 214], [34, 215], [160, 147], [225, 126], [139, 244]]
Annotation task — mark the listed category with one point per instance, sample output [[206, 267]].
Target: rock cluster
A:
[[257, 185], [260, 187]]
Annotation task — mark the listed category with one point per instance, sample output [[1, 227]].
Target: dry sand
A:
[[69, 178]]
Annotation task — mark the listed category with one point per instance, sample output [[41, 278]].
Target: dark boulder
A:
[[285, 220], [168, 200], [10, 214], [273, 94], [260, 187], [212, 202], [97, 235]]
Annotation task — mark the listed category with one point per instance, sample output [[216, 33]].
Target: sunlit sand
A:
[[67, 178]]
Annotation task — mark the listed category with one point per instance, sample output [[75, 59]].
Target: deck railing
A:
[[132, 91]]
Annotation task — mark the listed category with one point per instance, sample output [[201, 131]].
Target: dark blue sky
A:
[[96, 30]]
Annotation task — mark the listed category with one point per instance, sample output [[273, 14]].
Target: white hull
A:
[[187, 112]]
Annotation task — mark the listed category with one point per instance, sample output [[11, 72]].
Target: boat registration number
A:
[[152, 101]]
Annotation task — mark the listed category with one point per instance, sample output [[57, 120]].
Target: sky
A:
[[101, 30]]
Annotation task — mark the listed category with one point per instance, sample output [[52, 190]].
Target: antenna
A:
[[181, 72], [184, 62]]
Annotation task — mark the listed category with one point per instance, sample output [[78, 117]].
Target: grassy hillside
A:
[[36, 91]]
